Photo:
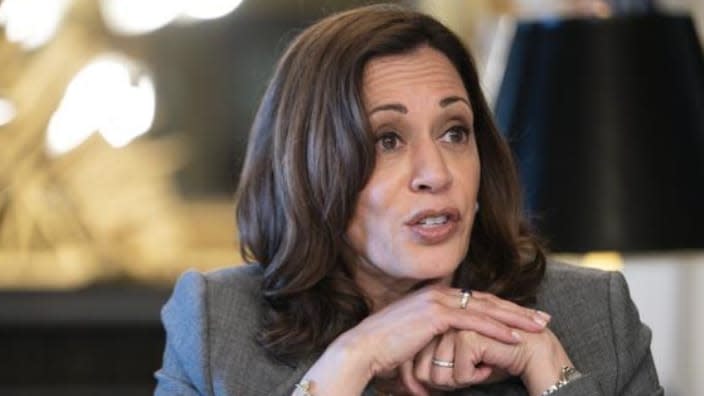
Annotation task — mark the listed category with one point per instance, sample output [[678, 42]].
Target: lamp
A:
[[606, 118]]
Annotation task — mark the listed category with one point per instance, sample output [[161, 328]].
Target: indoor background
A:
[[123, 125]]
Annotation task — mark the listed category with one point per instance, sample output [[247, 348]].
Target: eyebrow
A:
[[390, 107], [452, 99], [403, 110]]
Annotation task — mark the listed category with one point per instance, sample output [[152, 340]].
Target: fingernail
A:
[[545, 315], [516, 336], [542, 322]]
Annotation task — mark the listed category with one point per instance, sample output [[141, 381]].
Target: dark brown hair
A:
[[310, 154]]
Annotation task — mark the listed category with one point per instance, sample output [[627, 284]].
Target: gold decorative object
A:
[[95, 213]]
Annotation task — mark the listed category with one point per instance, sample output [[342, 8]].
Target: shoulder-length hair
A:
[[311, 152]]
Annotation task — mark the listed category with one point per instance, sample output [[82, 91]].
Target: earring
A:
[[476, 207]]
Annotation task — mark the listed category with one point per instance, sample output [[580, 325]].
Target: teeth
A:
[[434, 220]]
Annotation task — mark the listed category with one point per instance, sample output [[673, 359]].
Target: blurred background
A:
[[123, 126]]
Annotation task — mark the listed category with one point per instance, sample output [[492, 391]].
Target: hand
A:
[[395, 334], [443, 347], [479, 359], [407, 326]]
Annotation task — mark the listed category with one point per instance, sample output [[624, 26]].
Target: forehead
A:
[[388, 76]]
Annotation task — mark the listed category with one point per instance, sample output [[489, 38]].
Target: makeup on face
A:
[[413, 218]]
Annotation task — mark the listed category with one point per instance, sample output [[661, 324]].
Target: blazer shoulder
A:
[[557, 270], [247, 274], [225, 295], [234, 303], [241, 283], [565, 284], [219, 314]]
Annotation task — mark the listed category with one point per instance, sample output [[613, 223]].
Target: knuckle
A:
[[482, 317], [529, 313], [421, 375], [435, 309], [482, 295], [483, 305], [491, 304], [432, 296], [437, 378], [467, 336]]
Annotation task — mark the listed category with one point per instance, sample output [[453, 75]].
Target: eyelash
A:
[[385, 135], [459, 128], [464, 131]]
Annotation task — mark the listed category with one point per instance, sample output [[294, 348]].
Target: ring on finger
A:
[[464, 298], [443, 363]]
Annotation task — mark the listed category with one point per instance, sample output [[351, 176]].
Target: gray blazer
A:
[[211, 321]]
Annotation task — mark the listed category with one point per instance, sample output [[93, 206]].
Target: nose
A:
[[430, 171]]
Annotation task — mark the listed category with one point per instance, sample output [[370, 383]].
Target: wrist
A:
[[545, 365], [567, 375], [343, 369], [537, 378], [354, 349]]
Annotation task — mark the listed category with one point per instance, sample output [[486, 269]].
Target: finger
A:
[[522, 319], [423, 361], [512, 313], [441, 375], [469, 368], [512, 306], [447, 314], [504, 311], [489, 352], [410, 381], [482, 374], [484, 324], [406, 326]]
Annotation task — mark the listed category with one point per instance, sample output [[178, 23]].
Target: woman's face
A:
[[414, 217]]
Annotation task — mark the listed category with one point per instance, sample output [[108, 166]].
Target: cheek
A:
[[467, 174], [372, 217], [475, 178]]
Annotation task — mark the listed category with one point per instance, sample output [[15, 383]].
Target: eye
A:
[[456, 134], [388, 141]]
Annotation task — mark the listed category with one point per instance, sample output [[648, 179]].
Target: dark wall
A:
[[210, 77]]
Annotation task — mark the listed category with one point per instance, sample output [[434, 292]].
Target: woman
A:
[[376, 194]]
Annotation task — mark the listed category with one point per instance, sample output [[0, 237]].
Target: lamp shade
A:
[[606, 118]]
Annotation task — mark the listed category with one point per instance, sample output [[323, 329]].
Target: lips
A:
[[434, 226]]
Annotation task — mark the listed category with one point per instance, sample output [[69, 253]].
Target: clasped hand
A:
[[486, 341]]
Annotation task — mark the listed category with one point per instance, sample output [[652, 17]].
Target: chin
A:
[[437, 261], [432, 266]]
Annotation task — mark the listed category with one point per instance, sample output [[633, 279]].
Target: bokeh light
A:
[[7, 111], [110, 96], [209, 9], [31, 23], [134, 17]]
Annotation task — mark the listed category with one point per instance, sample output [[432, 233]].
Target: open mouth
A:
[[434, 226], [434, 220], [433, 217]]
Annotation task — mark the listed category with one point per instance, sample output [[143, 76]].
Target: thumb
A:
[[503, 356]]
